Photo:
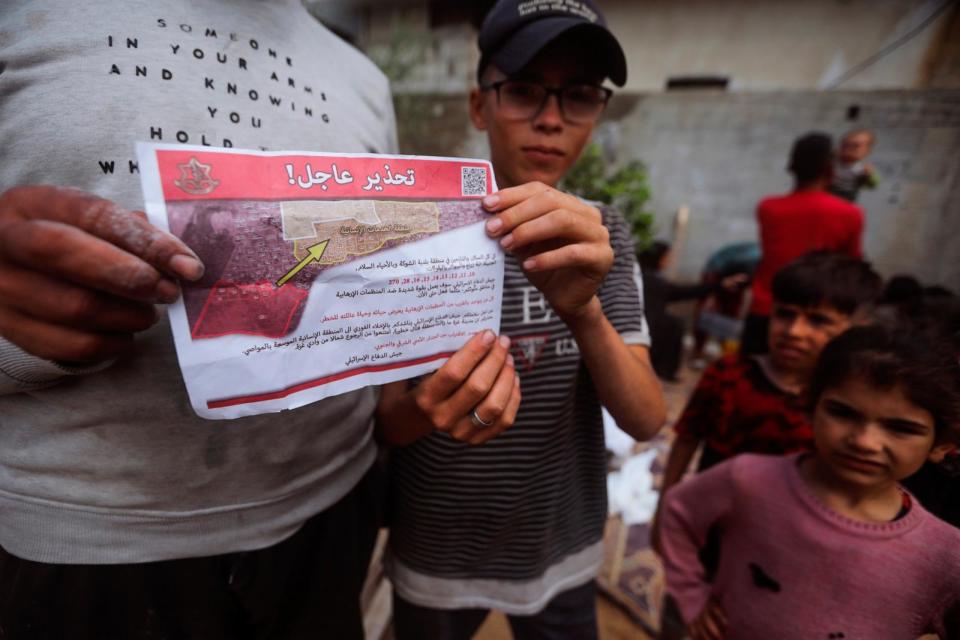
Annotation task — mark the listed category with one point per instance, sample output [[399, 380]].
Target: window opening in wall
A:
[[679, 83]]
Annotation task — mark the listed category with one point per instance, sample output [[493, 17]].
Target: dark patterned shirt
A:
[[736, 408]]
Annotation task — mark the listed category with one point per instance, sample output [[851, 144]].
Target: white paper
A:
[[325, 273]]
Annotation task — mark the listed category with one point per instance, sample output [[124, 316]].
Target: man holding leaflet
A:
[[124, 515], [516, 524]]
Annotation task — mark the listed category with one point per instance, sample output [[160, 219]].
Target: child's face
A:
[[542, 148], [855, 147], [798, 334], [871, 438]]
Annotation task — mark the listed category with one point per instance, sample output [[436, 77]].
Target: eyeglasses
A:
[[522, 100]]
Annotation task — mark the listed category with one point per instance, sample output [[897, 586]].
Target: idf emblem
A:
[[195, 178]]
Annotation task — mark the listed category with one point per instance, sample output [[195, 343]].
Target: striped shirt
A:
[[509, 524]]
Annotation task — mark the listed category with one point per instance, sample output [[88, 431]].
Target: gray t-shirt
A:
[[110, 464]]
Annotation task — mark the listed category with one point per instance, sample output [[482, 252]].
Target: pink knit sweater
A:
[[792, 568]]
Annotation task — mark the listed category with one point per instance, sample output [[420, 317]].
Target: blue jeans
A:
[[571, 615]]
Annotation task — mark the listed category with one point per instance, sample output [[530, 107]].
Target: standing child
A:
[[753, 404], [828, 544], [851, 171]]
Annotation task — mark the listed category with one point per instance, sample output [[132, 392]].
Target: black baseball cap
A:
[[515, 31]]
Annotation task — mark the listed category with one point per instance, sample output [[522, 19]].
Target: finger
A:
[[57, 342], [448, 378], [592, 257], [52, 300], [506, 198], [559, 224], [719, 615], [70, 253], [517, 205], [481, 380], [695, 631], [711, 627], [109, 222], [488, 410], [493, 406], [464, 430], [507, 418]]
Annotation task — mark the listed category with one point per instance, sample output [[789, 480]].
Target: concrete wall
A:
[[775, 44], [720, 153], [761, 45]]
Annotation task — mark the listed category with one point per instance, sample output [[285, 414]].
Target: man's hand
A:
[[479, 378], [562, 244], [79, 275], [710, 624]]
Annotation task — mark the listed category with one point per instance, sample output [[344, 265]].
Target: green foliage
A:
[[398, 56], [625, 188], [400, 53]]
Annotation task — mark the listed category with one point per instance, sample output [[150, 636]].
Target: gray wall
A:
[[719, 153]]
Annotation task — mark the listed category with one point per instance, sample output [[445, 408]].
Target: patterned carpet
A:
[[632, 575]]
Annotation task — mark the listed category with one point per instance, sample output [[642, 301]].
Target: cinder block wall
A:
[[719, 153]]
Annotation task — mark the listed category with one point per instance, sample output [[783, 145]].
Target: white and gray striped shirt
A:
[[509, 524]]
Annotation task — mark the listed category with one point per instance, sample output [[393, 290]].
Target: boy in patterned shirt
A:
[[753, 404]]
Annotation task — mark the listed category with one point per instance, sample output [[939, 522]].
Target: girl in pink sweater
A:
[[828, 545]]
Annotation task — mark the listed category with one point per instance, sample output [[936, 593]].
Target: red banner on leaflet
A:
[[215, 175]]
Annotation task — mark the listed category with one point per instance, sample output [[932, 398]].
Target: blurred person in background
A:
[[719, 316], [852, 172], [667, 330], [804, 220]]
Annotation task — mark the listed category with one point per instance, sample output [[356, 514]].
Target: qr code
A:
[[473, 181]]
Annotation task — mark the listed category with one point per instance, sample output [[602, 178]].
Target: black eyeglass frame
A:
[[553, 91]]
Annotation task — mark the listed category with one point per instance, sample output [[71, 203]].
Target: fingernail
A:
[[529, 263], [505, 342], [491, 201], [506, 241], [488, 338], [187, 267], [167, 291], [494, 224], [509, 360]]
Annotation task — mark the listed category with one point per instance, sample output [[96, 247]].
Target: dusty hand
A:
[[710, 624], [480, 378], [561, 241], [79, 275]]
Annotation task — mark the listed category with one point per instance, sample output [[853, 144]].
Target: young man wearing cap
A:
[[517, 524]]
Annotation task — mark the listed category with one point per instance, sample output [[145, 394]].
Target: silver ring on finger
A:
[[479, 422]]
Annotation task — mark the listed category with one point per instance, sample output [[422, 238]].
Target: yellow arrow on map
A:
[[313, 255]]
